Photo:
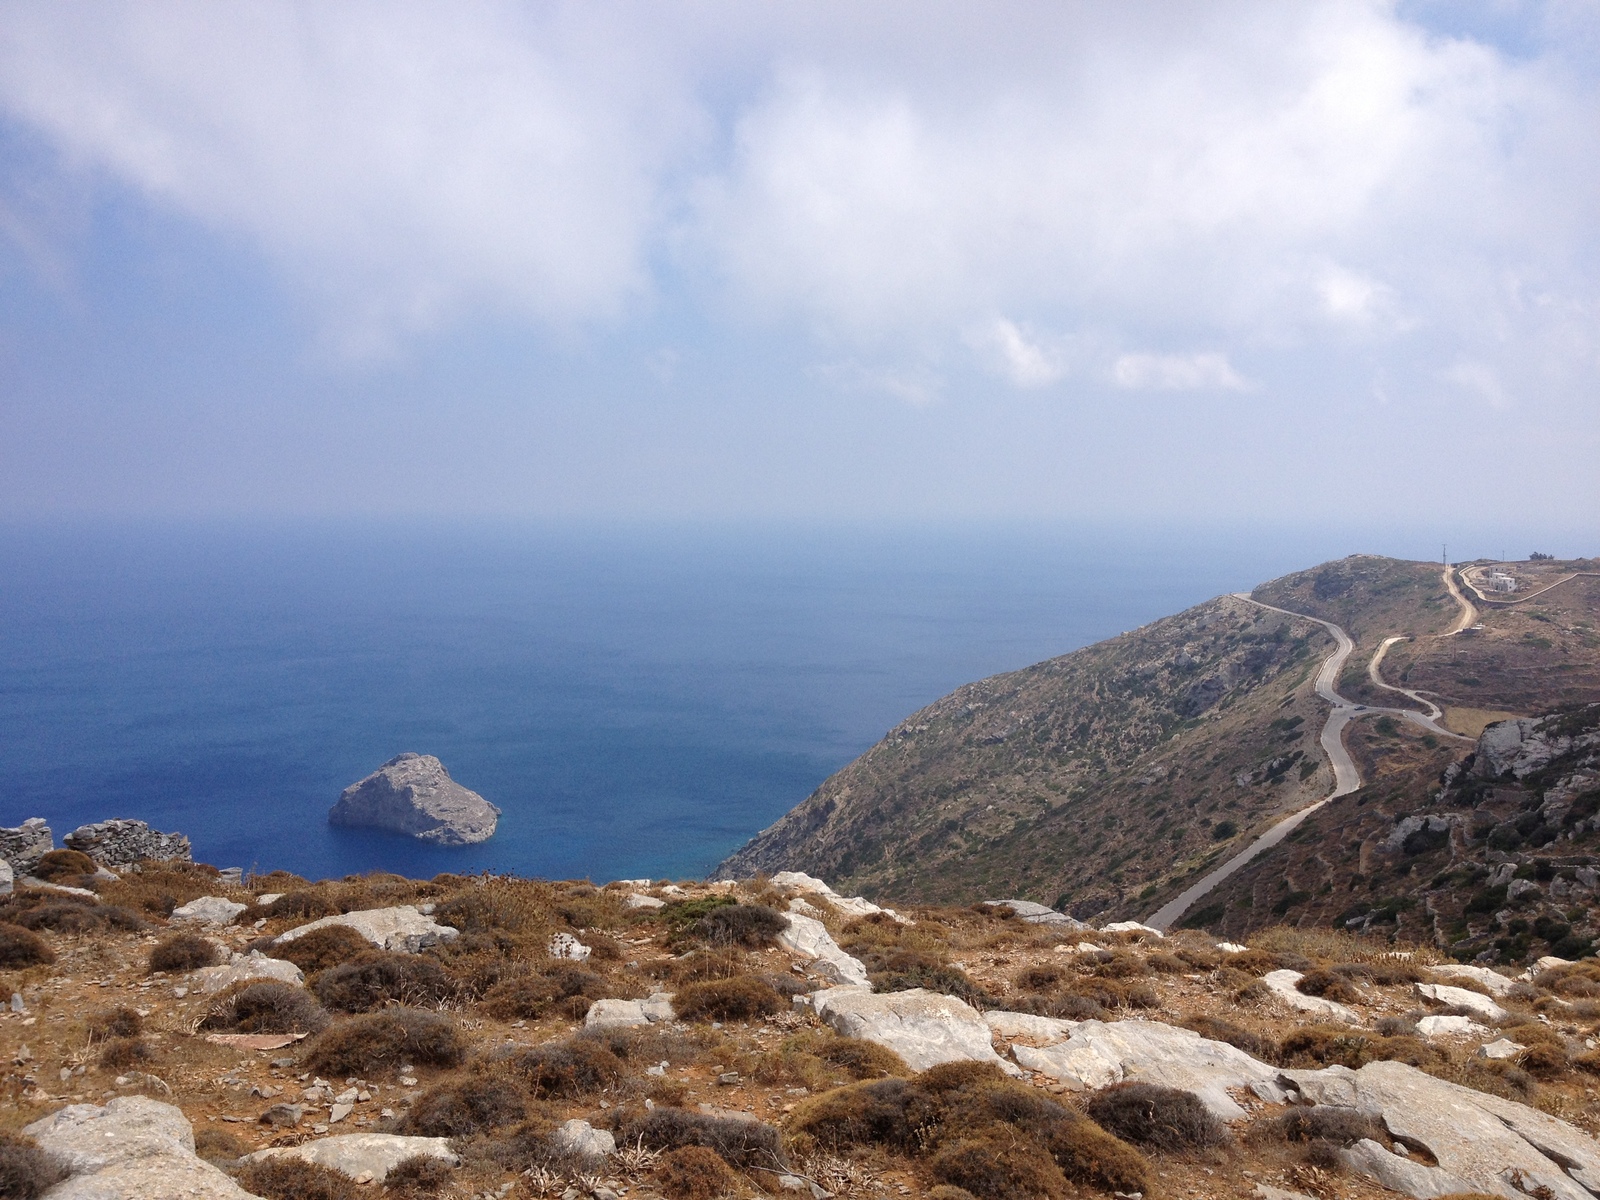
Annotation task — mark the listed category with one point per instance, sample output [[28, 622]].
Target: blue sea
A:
[[638, 700]]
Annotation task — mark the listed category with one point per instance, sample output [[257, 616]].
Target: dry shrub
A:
[[1544, 1061], [902, 970], [1038, 977], [383, 1040], [467, 1106], [1237, 1036], [1254, 962], [285, 1178], [1166, 964], [322, 948], [1321, 1128], [479, 961], [1397, 1027], [752, 926], [26, 1170], [738, 999], [715, 962], [1114, 993], [1088, 1154], [124, 1053], [380, 977], [218, 1145], [564, 989], [1330, 1045], [949, 1191], [158, 888], [1200, 958], [310, 904], [515, 906], [861, 1059], [1161, 1118], [183, 952], [1121, 964], [994, 1166], [62, 866], [67, 914], [1588, 1062], [567, 1069], [1067, 1005], [695, 1173], [115, 1022], [1330, 985], [1533, 1033], [1386, 972], [417, 1176], [739, 1143], [1577, 979], [265, 1006], [21, 948]]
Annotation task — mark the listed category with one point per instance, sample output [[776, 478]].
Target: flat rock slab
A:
[[254, 1041], [808, 939], [1480, 1142], [366, 1157], [1132, 927], [1497, 983], [851, 906], [1434, 1027], [1474, 1002], [1099, 1053], [622, 1014], [132, 1147], [255, 965], [1035, 913], [1283, 988], [209, 910], [640, 900], [922, 1027], [414, 794], [400, 928], [1026, 1027]]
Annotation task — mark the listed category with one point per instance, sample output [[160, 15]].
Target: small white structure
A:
[[1499, 581]]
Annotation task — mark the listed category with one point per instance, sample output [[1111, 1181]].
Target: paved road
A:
[[1346, 778]]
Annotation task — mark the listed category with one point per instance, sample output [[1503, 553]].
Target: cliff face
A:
[[414, 794]]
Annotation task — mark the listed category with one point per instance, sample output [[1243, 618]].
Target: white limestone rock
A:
[[133, 1146], [639, 900], [808, 939], [1231, 947], [1501, 1048], [209, 910], [366, 1157], [401, 928], [1474, 1002], [922, 1027], [1497, 983], [1097, 1054], [245, 968], [621, 1014], [1283, 988], [1442, 1027], [1034, 913], [564, 945], [8, 880], [1480, 1142], [851, 906], [583, 1139], [1031, 1029], [1131, 927], [414, 794]]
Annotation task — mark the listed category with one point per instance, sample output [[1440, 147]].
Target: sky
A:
[[1230, 261]]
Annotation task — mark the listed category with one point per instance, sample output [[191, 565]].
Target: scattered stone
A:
[[564, 945], [810, 940], [133, 1146], [637, 900], [280, 1115], [1034, 913], [1548, 963], [25, 845], [1231, 947], [339, 1112], [255, 965], [18, 1004], [1099, 1053], [355, 1154], [1131, 927], [400, 928], [922, 1027], [268, 897], [122, 843], [1481, 1143], [583, 1139], [1474, 1002], [1497, 983], [1283, 988], [1432, 1027], [209, 910], [414, 794], [1501, 1048]]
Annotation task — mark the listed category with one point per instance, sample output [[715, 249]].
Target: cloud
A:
[[1021, 358], [1176, 373], [1481, 381]]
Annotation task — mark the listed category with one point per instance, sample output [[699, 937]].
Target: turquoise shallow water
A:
[[637, 701]]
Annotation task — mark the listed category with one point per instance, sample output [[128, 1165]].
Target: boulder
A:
[[1034, 913], [365, 1157], [122, 843], [255, 965], [1131, 927], [134, 1146], [414, 794], [583, 1139], [808, 939], [1098, 1053], [1501, 1048], [25, 845], [209, 910], [1474, 1002], [922, 1027], [1480, 1143], [850, 906], [1434, 1027], [620, 1014], [1283, 988], [564, 945], [639, 900], [1497, 983], [400, 928]]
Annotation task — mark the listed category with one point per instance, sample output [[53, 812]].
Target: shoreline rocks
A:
[[414, 794]]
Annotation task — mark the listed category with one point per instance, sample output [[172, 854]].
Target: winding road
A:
[[1346, 778]]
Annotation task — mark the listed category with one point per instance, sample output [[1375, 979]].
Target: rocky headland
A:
[[414, 794]]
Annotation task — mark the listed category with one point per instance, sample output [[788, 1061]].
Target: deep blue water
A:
[[638, 702]]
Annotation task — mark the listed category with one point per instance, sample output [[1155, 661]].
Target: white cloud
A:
[[1176, 372], [1481, 381], [1022, 358]]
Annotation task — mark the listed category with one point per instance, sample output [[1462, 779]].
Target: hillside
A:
[[1108, 779]]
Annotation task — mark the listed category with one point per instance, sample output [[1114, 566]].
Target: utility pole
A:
[[1444, 554]]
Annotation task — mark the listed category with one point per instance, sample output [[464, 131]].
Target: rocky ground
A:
[[500, 1037]]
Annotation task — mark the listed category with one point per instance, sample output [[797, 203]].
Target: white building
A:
[[1499, 581]]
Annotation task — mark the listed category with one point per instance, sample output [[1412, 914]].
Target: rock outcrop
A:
[[809, 940], [134, 1146], [247, 967], [922, 1027], [209, 910], [1519, 748], [121, 843], [25, 845], [1283, 986], [1035, 913], [364, 1157], [624, 1014], [401, 928], [414, 794]]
